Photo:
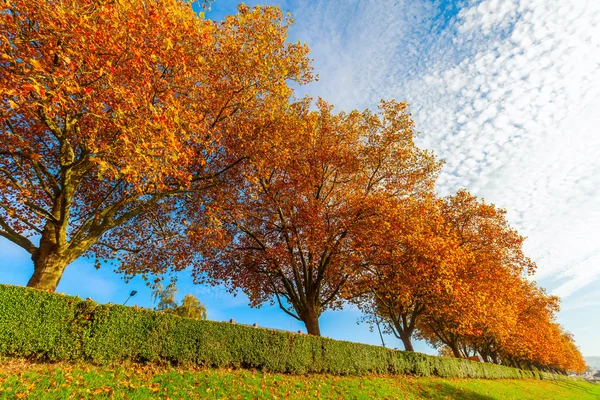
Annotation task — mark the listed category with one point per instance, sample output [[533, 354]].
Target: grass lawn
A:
[[21, 379]]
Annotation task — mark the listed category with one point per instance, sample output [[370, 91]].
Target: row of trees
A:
[[142, 133], [451, 271]]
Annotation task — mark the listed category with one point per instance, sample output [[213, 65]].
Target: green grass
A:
[[20, 379]]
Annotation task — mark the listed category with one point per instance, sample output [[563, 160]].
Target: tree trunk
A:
[[494, 357], [407, 341], [49, 262], [455, 351], [484, 356], [311, 321], [47, 272]]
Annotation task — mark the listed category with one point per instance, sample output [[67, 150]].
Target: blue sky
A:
[[506, 91]]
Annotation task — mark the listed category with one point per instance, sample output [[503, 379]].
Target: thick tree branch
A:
[[21, 241]]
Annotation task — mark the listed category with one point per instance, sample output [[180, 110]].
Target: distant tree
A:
[[165, 297], [190, 307], [445, 351]]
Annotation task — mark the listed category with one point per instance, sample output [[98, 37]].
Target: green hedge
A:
[[48, 326]]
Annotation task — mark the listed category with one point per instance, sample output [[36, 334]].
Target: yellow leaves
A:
[[35, 64], [154, 387]]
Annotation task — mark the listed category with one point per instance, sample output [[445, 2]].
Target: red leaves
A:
[[27, 88]]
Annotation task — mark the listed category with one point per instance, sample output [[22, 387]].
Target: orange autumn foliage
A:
[[410, 258], [536, 339], [293, 227], [452, 271], [141, 132], [113, 112], [431, 266], [483, 286]]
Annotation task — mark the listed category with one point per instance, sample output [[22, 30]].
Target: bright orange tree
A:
[[410, 258], [445, 270], [292, 227], [536, 339], [485, 282], [571, 358], [489, 306], [114, 112]]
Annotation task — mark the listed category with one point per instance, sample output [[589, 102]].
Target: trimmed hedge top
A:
[[48, 326]]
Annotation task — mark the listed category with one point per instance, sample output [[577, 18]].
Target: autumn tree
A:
[[292, 225], [536, 339], [409, 256], [452, 271], [491, 308], [572, 359], [444, 351], [114, 113], [437, 267], [190, 306], [165, 297], [485, 280]]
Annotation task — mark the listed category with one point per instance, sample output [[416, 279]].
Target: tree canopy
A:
[[114, 113], [190, 306], [293, 227]]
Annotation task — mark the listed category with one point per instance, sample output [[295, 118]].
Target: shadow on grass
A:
[[441, 390], [572, 385]]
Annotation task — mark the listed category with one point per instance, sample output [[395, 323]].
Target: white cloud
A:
[[507, 92]]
